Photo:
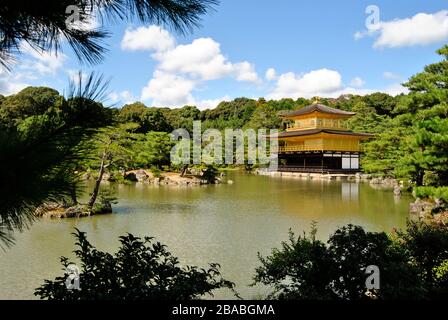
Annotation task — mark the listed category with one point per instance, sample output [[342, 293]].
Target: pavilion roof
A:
[[317, 107]]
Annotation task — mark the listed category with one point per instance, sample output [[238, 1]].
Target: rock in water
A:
[[131, 176], [141, 176], [420, 208]]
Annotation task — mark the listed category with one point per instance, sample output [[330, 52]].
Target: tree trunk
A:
[[420, 172], [97, 183], [419, 178], [73, 196], [184, 170]]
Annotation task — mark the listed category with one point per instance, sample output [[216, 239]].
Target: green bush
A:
[[427, 248], [441, 272], [156, 172], [412, 265], [432, 193], [210, 173], [140, 270]]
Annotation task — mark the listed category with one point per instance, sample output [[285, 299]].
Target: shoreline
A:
[[426, 210], [54, 210], [314, 176]]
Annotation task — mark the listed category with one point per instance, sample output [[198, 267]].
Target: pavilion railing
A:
[[293, 127], [319, 147]]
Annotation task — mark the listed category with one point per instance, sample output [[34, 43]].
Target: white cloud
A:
[[74, 75], [271, 74], [89, 24], [202, 59], [124, 97], [391, 76], [167, 89], [315, 83], [44, 62], [357, 82], [182, 68], [324, 83], [147, 38], [361, 34], [395, 89], [245, 71], [211, 103], [35, 63], [421, 29], [10, 84]]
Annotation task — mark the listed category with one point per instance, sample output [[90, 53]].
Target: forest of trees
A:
[[411, 141], [411, 130]]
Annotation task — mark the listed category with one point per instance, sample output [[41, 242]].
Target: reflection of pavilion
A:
[[320, 200], [317, 140], [350, 191]]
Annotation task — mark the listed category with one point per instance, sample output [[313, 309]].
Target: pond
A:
[[226, 223]]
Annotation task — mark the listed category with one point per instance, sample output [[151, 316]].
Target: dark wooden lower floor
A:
[[317, 169], [319, 162]]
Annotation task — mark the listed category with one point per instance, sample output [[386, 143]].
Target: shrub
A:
[[432, 193], [140, 270], [427, 248], [156, 172], [306, 268], [301, 269], [210, 173]]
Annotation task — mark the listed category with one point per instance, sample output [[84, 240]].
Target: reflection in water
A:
[[350, 191], [227, 224]]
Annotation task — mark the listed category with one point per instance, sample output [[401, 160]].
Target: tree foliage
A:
[[132, 113], [31, 101], [427, 247], [153, 150], [411, 265], [40, 154], [428, 152], [45, 24], [142, 269]]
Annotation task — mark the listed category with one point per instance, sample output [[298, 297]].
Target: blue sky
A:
[[309, 47]]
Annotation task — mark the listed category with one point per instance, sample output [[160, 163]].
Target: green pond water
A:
[[224, 223]]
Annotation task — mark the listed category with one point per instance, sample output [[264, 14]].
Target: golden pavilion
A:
[[317, 139]]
